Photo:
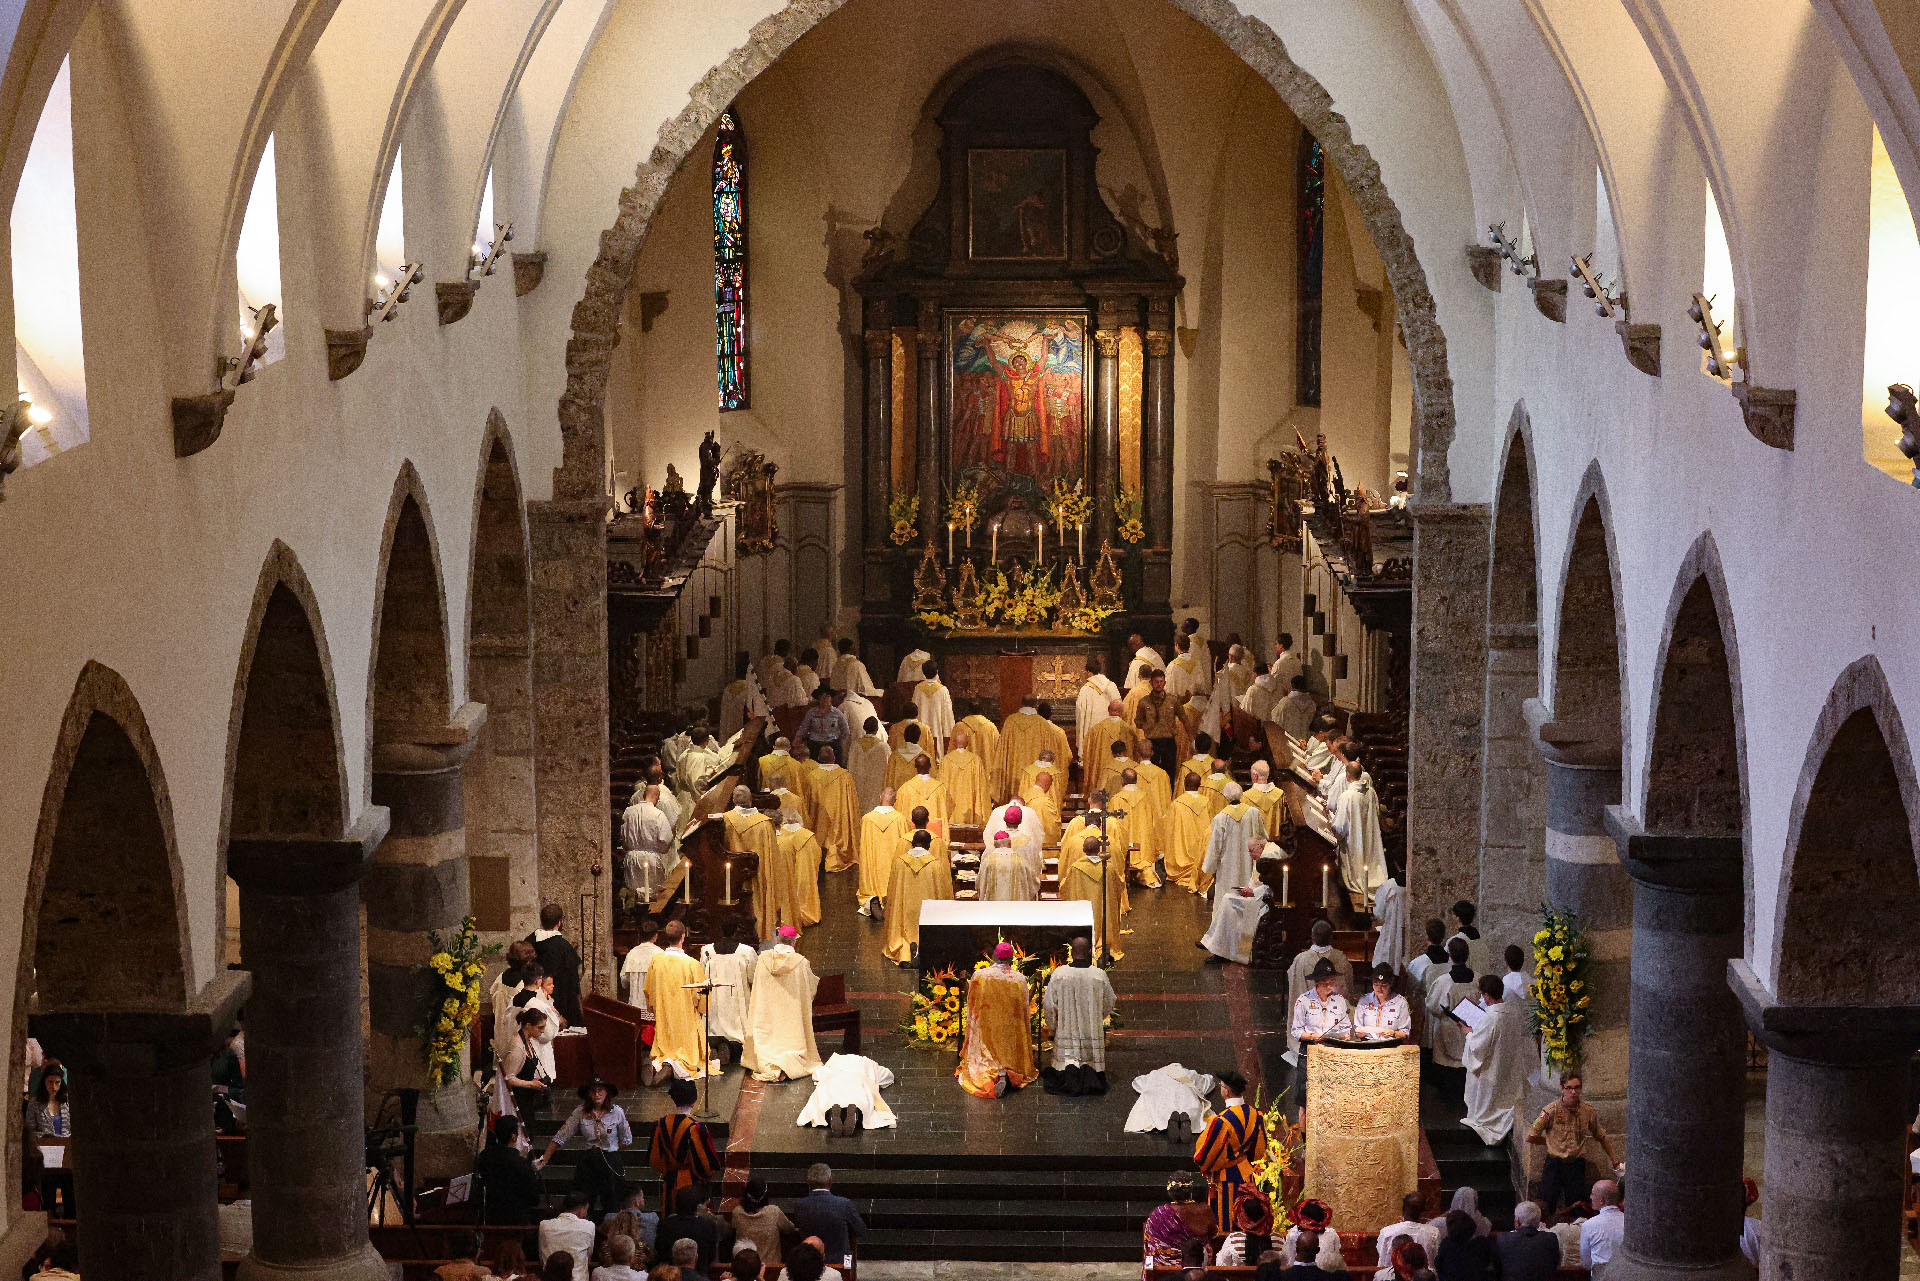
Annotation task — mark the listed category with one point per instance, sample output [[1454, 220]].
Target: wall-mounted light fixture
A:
[[1901, 408], [17, 421], [1526, 264], [245, 367], [1607, 297], [1720, 360], [486, 256], [390, 292]]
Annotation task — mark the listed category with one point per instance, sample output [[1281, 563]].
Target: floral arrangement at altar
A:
[[937, 1015], [1562, 987], [1280, 1176], [458, 961], [1128, 507], [1069, 506], [903, 519], [963, 510], [1050, 597]]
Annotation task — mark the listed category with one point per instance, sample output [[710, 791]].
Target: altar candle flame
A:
[[1324, 892]]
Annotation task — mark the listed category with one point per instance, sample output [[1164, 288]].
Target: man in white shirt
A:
[[572, 1231], [1600, 1236], [1412, 1207], [1515, 979]]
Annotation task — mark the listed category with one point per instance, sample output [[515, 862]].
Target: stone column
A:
[[926, 451], [1156, 435], [1585, 876], [306, 1067], [1686, 1097], [879, 425], [570, 684], [1837, 1091], [502, 849], [1106, 432], [144, 1164], [419, 883], [1449, 673], [1513, 875]]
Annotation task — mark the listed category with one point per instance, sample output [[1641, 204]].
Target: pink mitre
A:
[[1014, 815], [788, 932], [1003, 952]]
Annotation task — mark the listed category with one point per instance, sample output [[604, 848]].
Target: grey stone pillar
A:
[[1106, 435], [144, 1161], [1837, 1092], [1686, 1097], [306, 1068], [879, 425], [1513, 874], [926, 450], [503, 854], [419, 883], [1449, 674], [1586, 877]]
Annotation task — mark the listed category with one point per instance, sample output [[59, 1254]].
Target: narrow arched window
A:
[[730, 260], [1311, 191]]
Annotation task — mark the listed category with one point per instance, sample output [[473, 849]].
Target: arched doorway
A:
[[1513, 786], [104, 985], [502, 852], [298, 860], [1686, 1111]]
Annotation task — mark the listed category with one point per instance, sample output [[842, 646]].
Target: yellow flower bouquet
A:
[[903, 515], [458, 962], [1562, 987]]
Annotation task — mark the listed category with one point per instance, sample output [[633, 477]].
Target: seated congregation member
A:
[[508, 1186], [1186, 1219], [1529, 1252], [758, 1225], [569, 1233], [996, 1054], [688, 1224], [1079, 998], [1464, 1254], [621, 1254], [1410, 1228], [1314, 1219]]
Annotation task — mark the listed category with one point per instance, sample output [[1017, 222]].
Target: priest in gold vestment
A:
[[1048, 763], [917, 877], [776, 766], [1200, 764], [996, 1054], [836, 812], [1028, 733], [751, 832], [679, 1032], [1038, 795], [985, 743], [964, 774], [1096, 749], [923, 789], [801, 848], [1089, 880], [883, 832], [1189, 823], [914, 743], [1215, 784], [1268, 799]]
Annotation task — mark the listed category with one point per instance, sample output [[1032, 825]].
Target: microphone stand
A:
[[706, 1112], [1106, 869]]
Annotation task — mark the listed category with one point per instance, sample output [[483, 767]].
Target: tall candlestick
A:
[[1325, 894], [728, 897], [993, 551], [1080, 538], [949, 542], [1286, 885], [1041, 553], [969, 537]]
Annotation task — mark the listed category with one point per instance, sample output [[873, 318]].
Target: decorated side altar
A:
[[1362, 1122], [1018, 405]]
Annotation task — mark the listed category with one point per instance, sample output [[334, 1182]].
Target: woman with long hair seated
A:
[[1186, 1217]]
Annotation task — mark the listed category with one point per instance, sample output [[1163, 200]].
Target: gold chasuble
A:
[[1155, 786], [1214, 788], [967, 783], [897, 738], [1189, 824], [986, 745], [1200, 766], [836, 816], [1027, 735], [1271, 803], [776, 889], [801, 849], [883, 834], [775, 769], [1096, 754], [924, 789], [679, 1036], [1043, 804], [999, 1033], [916, 878], [751, 832], [1058, 773], [1084, 882], [1131, 703], [1130, 836], [900, 764], [1073, 839], [809, 789]]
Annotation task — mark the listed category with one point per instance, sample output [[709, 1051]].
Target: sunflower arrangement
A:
[[1562, 986], [903, 515], [995, 592], [458, 961], [963, 508], [1068, 506], [1032, 603], [934, 1018], [937, 620], [1087, 618], [1128, 506]]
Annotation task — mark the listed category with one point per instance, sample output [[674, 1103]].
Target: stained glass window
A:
[[1312, 192], [730, 260]]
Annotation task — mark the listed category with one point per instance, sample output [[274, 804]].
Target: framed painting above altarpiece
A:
[[1017, 204], [1018, 399]]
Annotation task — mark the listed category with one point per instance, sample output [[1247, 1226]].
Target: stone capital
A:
[[292, 866], [1159, 343], [879, 344], [434, 751], [1432, 514], [144, 1043], [1107, 343], [1838, 1035], [1671, 861], [1572, 744]]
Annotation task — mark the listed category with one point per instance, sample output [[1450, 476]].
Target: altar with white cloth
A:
[[958, 932]]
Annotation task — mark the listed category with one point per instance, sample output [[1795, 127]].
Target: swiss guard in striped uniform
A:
[[680, 1147], [1225, 1151]]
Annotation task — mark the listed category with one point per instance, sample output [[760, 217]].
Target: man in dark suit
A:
[[833, 1219], [558, 958], [1527, 1253]]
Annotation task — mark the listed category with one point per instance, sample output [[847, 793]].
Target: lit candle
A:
[[1080, 539], [1325, 894], [949, 542], [1041, 553], [728, 898], [993, 550], [1286, 885]]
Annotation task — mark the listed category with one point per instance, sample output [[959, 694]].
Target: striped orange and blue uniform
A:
[[682, 1150], [1225, 1152]]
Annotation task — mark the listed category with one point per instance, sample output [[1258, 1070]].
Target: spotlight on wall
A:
[[245, 366], [486, 256], [1607, 298], [1720, 360], [1901, 408], [1509, 247], [18, 419], [390, 292]]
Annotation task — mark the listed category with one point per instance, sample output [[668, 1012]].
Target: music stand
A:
[[706, 1112]]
